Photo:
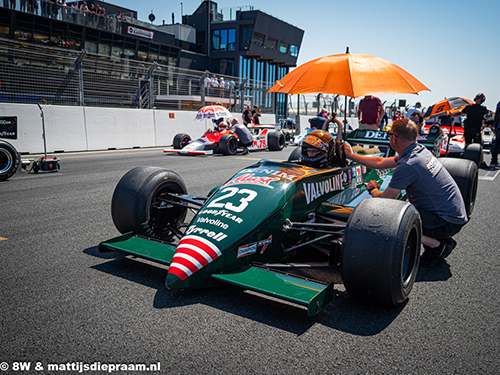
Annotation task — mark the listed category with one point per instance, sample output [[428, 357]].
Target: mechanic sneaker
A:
[[432, 256], [483, 165], [451, 242], [494, 165], [245, 151]]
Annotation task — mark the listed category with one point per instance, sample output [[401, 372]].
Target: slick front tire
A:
[[473, 152], [381, 251], [9, 160], [181, 140], [276, 140], [142, 202], [228, 144], [465, 173]]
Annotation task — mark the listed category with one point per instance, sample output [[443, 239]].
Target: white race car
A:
[[225, 142]]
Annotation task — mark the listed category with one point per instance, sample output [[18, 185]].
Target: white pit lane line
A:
[[489, 175]]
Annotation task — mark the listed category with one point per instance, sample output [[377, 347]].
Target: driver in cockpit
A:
[[319, 151]]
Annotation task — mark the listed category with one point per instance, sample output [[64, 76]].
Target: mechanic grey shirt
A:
[[243, 133], [428, 184]]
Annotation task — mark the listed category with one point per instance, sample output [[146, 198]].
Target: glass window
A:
[[116, 52], [258, 38], [4, 31], [271, 43], [216, 40], [231, 39], [104, 49], [91, 47], [294, 50], [223, 40], [246, 34], [283, 47], [24, 35]]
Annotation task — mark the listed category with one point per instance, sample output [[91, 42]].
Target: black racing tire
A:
[[9, 160], [36, 167], [466, 175], [276, 140], [381, 251], [473, 152], [295, 155], [228, 144], [181, 140], [135, 202]]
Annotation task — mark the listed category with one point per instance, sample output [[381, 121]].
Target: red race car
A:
[[226, 142]]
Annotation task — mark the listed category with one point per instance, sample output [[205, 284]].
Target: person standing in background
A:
[[370, 112]]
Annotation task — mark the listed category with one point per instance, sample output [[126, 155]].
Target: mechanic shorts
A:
[[472, 135], [368, 126], [436, 227]]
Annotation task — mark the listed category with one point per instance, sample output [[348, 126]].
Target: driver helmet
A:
[[317, 149]]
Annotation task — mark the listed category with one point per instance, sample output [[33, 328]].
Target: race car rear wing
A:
[[381, 138]]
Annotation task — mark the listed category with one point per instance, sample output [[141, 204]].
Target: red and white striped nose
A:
[[192, 254]]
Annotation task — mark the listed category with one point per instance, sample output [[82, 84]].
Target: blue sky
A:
[[451, 46]]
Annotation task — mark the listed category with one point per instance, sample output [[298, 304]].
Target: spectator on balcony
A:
[[43, 8], [74, 11], [215, 84], [12, 4], [64, 10], [207, 82], [222, 86], [33, 7], [24, 5], [55, 8]]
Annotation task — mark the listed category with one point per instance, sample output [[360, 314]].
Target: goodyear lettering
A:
[[193, 229], [315, 190], [215, 222], [223, 213]]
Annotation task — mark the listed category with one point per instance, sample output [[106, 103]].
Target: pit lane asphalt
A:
[[62, 301]]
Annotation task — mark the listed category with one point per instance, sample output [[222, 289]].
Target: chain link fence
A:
[[33, 73]]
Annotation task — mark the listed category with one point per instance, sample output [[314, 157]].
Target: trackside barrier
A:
[[70, 128]]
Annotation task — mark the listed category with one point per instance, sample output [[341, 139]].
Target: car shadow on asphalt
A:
[[343, 313]]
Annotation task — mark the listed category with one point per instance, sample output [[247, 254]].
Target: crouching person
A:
[[244, 135], [429, 187]]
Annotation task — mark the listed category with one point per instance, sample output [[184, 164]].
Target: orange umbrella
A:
[[447, 106], [348, 74]]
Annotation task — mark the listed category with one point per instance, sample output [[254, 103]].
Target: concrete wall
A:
[[90, 128]]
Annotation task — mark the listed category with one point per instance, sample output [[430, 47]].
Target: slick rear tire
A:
[[276, 140], [465, 173], [381, 251], [139, 202], [295, 155], [473, 152], [181, 140], [228, 144], [9, 160]]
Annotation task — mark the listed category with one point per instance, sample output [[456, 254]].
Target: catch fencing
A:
[[33, 73]]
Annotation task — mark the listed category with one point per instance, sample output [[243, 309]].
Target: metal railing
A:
[[33, 73]]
